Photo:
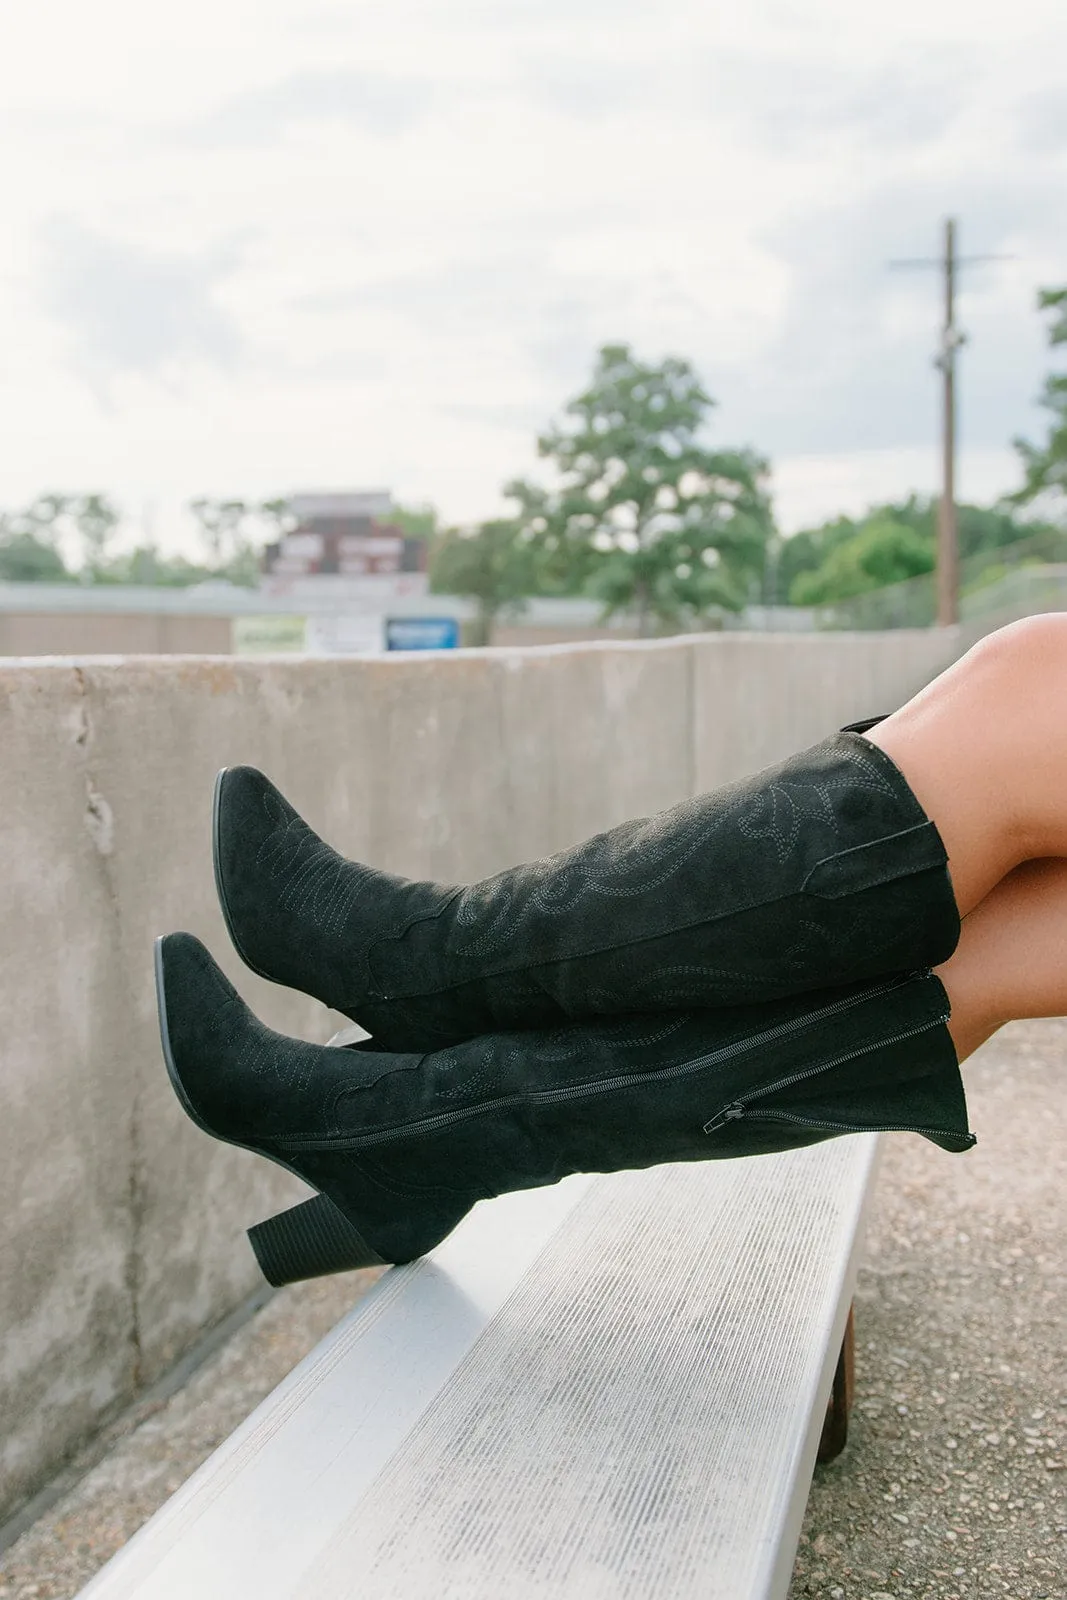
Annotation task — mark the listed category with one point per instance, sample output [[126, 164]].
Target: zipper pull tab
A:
[[730, 1114]]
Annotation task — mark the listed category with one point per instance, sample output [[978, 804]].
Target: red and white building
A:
[[343, 536]]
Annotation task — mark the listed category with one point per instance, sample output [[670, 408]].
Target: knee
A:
[[1023, 656], [1011, 708]]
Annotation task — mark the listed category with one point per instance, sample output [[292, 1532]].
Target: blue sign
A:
[[421, 633]]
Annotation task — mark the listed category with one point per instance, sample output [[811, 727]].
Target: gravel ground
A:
[[954, 1483], [155, 1448]]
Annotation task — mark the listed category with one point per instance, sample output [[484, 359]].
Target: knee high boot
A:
[[400, 1146], [818, 871]]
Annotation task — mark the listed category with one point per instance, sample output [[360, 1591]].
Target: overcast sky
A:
[[256, 246]]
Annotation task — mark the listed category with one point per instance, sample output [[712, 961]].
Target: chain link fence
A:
[[1016, 580]]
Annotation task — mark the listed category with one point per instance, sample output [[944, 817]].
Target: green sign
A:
[[271, 635]]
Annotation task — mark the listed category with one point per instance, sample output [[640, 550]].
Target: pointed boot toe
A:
[[822, 870], [304, 1106], [299, 913], [400, 1147]]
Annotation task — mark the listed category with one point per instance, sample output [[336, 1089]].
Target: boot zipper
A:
[[783, 1030], [845, 1127], [745, 1108]]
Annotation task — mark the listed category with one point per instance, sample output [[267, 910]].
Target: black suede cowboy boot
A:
[[821, 870], [401, 1146]]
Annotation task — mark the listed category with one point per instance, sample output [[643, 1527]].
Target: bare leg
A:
[[1011, 960], [984, 747]]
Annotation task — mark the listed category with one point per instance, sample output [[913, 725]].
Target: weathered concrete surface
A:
[[45, 633], [759, 697], [147, 1452], [65, 1248], [954, 1482], [124, 1224]]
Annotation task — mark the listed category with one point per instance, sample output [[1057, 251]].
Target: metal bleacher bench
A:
[[613, 1387]]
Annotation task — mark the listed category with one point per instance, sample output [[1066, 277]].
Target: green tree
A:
[[234, 532], [644, 514], [984, 531], [495, 565], [147, 565], [27, 557], [43, 517], [95, 520], [1045, 466], [35, 535], [807, 550], [981, 530], [879, 553], [416, 522], [85, 522], [276, 516], [221, 524]]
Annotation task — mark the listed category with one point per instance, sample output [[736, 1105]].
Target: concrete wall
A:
[[66, 633], [123, 1225], [115, 633], [522, 634]]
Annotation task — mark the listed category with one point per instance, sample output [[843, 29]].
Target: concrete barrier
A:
[[122, 1224]]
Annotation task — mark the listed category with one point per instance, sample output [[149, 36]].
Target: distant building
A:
[[345, 536]]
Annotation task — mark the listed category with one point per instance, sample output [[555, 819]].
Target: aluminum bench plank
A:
[[614, 1387]]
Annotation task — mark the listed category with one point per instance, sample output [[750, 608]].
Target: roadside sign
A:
[[421, 633], [344, 635], [268, 635]]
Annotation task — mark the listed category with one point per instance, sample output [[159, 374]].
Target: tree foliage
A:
[[845, 557], [644, 514], [33, 540], [221, 525], [26, 557], [880, 552], [806, 551], [1045, 466], [234, 532], [68, 538], [495, 565], [416, 522], [146, 564], [96, 520]]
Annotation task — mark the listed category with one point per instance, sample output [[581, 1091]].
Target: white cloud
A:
[[807, 486], [129, 309], [380, 103], [258, 245]]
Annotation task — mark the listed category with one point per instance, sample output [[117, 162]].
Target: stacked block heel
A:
[[311, 1240]]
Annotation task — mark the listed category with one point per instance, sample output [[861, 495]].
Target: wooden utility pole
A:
[[948, 559], [948, 564]]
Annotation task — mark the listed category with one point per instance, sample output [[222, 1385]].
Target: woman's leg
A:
[[821, 870], [889, 1062], [400, 1146], [1011, 960], [984, 748]]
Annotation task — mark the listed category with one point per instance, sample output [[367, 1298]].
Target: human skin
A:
[[984, 748]]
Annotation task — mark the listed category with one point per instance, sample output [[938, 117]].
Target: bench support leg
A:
[[835, 1428]]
